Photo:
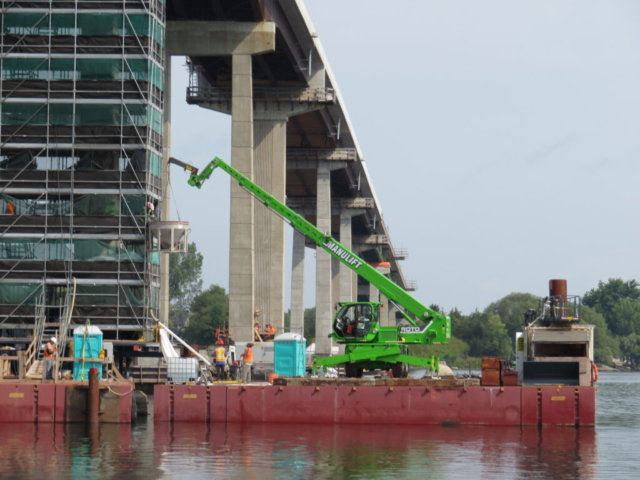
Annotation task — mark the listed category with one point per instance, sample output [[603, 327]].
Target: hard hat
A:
[[54, 340], [150, 206], [220, 342]]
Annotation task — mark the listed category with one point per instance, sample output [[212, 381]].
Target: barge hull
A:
[[23, 402], [471, 405]]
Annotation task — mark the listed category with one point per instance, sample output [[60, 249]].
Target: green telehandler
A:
[[368, 345]]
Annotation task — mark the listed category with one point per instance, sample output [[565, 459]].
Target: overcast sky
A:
[[501, 138]]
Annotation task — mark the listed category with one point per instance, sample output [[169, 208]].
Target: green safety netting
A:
[[87, 69], [86, 295], [109, 295], [143, 71], [86, 114], [20, 293], [155, 297], [36, 114], [94, 24], [155, 164], [98, 204], [154, 257], [80, 250], [108, 205]]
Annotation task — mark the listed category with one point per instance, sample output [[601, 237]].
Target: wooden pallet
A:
[[35, 371]]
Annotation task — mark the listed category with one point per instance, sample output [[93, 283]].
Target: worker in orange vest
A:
[[50, 350], [247, 363], [10, 208], [351, 326], [270, 332], [221, 360]]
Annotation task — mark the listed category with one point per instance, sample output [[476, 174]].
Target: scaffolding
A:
[[81, 121]]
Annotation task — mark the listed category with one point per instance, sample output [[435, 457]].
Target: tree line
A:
[[613, 307]]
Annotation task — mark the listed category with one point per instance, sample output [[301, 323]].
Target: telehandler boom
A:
[[368, 345]]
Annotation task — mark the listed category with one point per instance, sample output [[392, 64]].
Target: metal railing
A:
[[265, 94], [329, 154], [33, 350], [370, 239], [311, 202]]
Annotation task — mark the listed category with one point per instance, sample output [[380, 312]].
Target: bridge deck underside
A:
[[316, 129]]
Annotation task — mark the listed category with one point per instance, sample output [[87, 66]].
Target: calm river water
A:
[[610, 451]]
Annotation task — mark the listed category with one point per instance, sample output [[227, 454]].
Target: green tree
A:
[[436, 307], [511, 310], [605, 297], [492, 331], [625, 317], [605, 345], [210, 309], [185, 283], [310, 325], [630, 349], [493, 339], [454, 353], [468, 328]]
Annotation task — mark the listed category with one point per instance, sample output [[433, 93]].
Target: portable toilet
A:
[[87, 343], [289, 353]]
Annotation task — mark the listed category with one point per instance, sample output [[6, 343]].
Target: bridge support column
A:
[[165, 213], [323, 263], [271, 114], [347, 276], [270, 129], [336, 266], [241, 258], [297, 283], [384, 312], [241, 40], [375, 296], [392, 315], [374, 293]]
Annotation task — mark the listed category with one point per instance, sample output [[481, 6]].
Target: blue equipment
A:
[[290, 355], [87, 343]]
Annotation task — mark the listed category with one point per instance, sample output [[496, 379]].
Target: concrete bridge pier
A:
[[375, 296], [241, 246], [393, 310], [297, 283], [347, 276], [165, 213], [271, 114], [240, 40], [323, 263], [270, 129]]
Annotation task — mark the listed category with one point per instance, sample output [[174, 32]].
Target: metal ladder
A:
[[65, 320], [39, 330]]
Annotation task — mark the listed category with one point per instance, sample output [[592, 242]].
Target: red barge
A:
[[62, 402], [552, 385], [399, 405]]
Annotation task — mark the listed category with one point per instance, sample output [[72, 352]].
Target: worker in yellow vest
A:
[[221, 360]]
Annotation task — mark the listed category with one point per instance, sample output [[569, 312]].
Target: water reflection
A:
[[326, 452], [74, 451], [294, 452], [285, 451]]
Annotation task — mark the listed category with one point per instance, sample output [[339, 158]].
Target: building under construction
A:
[[81, 121]]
